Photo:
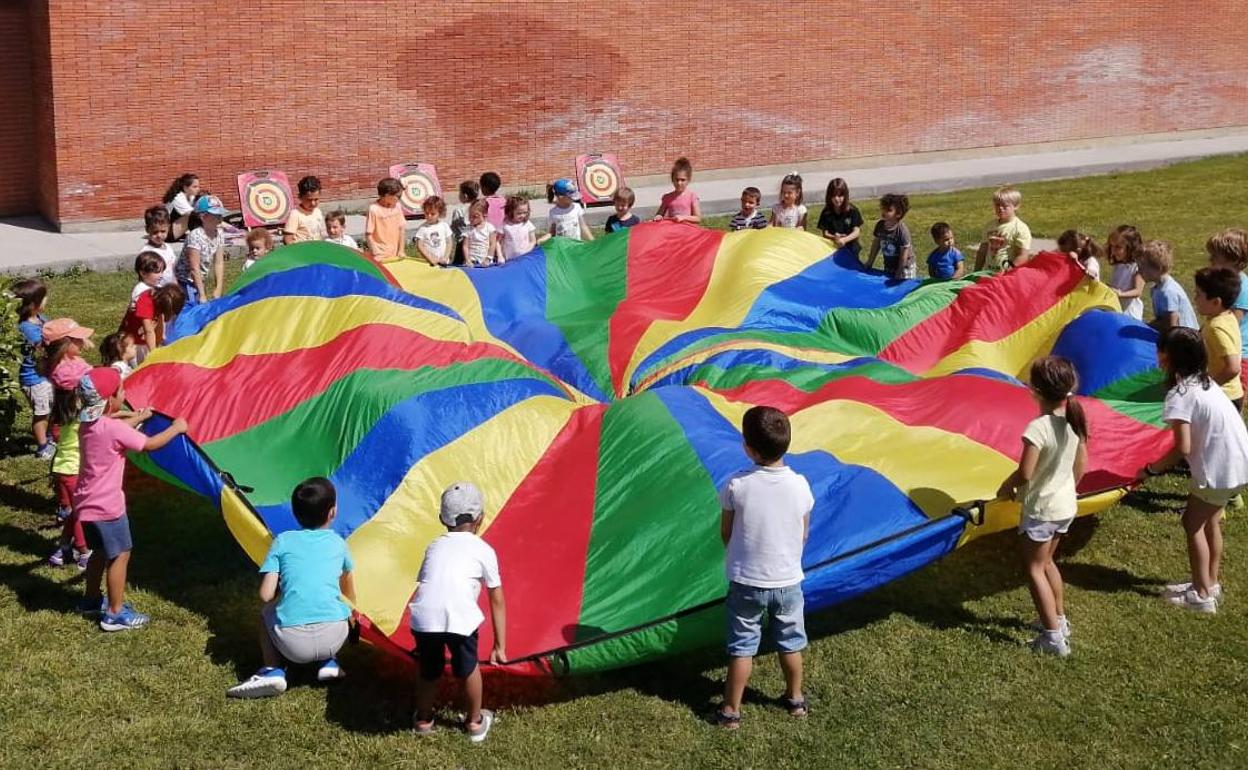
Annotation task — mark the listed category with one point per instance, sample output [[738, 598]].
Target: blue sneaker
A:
[[62, 514], [126, 620], [265, 683], [59, 556], [329, 671], [46, 452]]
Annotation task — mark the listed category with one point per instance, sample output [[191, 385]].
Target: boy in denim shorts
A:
[[765, 519]]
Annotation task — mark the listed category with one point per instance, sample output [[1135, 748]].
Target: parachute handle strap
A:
[[973, 512]]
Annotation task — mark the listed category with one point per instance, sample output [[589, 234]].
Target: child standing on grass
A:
[[1123, 245], [945, 263], [489, 183], [789, 211], [444, 612], [1007, 239], [1216, 292], [100, 500], [623, 218], [749, 217], [156, 223], [434, 239], [469, 193], [117, 351], [336, 230], [764, 521], [840, 221], [893, 238], [1210, 434], [519, 235], [1055, 455], [1171, 306], [385, 226], [681, 204], [1083, 250], [1229, 249], [480, 240], [140, 320], [72, 546], [204, 250], [259, 242], [306, 574], [306, 221], [566, 217], [32, 295]]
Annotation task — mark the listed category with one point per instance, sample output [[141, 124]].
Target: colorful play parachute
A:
[[594, 391]]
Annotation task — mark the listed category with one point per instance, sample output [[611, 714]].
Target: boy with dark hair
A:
[[749, 217], [444, 611], [306, 574], [490, 182], [140, 320], [1216, 292], [1229, 249], [765, 518], [622, 201], [306, 221], [156, 224], [385, 227], [893, 238], [945, 263]]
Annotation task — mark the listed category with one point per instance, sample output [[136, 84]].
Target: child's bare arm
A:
[[1182, 445], [426, 252], [1021, 475], [496, 249], [875, 249], [1081, 461], [1137, 289], [725, 525], [586, 233], [695, 212], [1226, 370], [346, 584], [268, 587], [218, 273], [801, 223], [498, 615], [160, 440], [149, 333], [981, 256], [902, 261]]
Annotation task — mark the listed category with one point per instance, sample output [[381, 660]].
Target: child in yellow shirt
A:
[[1216, 292]]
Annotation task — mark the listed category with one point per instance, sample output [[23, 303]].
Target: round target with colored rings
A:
[[416, 187], [267, 201], [600, 179]]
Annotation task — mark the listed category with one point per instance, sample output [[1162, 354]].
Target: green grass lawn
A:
[[929, 671]]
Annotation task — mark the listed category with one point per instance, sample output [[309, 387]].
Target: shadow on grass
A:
[[1155, 501], [33, 591]]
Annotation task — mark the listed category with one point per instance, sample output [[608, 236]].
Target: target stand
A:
[[598, 177], [265, 198], [420, 181]]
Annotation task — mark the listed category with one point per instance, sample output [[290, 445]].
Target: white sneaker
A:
[[483, 728], [1052, 643], [1178, 589], [263, 684], [1190, 600], [329, 671], [1063, 625]]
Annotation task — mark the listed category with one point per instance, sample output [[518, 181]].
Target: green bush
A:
[[10, 358]]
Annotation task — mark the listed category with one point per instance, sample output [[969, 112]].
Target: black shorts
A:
[[431, 651]]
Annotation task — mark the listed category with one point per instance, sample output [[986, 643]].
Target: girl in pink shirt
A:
[[681, 204]]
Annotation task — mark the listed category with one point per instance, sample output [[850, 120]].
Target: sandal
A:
[[796, 707], [423, 726], [726, 720]]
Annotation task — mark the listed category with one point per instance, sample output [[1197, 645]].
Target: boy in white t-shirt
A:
[[567, 218], [444, 611], [156, 223], [434, 239], [765, 520]]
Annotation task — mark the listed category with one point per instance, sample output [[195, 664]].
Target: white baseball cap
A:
[[460, 499]]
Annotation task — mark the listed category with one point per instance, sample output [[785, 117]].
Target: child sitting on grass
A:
[[385, 226], [336, 230], [1055, 455], [32, 294], [1171, 306], [1216, 292], [444, 612], [434, 239], [307, 572], [764, 521], [1007, 239], [749, 217], [893, 238], [100, 502], [945, 263], [204, 251], [1229, 249], [1210, 434]]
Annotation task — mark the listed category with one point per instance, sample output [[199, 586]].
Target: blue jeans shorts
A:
[[783, 609], [111, 538]]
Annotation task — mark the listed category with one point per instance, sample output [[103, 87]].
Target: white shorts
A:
[[1043, 531], [40, 397], [1215, 497]]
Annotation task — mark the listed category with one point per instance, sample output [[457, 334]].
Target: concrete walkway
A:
[[27, 245]]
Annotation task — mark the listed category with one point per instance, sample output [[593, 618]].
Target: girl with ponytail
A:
[[1055, 454]]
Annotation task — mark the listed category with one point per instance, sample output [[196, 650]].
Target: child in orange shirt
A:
[[385, 226]]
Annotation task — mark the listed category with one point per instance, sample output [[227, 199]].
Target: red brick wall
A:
[[17, 125], [343, 88]]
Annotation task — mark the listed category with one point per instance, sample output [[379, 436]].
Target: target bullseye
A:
[[599, 177], [265, 197], [420, 181]]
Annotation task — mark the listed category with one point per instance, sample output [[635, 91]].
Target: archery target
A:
[[598, 177], [265, 198], [420, 181]]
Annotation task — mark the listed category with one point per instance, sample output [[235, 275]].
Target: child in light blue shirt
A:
[[1171, 307], [307, 573]]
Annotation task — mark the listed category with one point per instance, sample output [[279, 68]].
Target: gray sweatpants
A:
[[309, 643]]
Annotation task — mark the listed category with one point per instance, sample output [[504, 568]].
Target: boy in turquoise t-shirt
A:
[[306, 575]]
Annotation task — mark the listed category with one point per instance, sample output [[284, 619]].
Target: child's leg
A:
[[92, 577], [739, 670], [431, 653], [791, 665], [473, 690], [39, 427], [268, 653], [745, 607], [1036, 557], [787, 627], [1197, 518], [1054, 576], [1213, 535], [115, 577]]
